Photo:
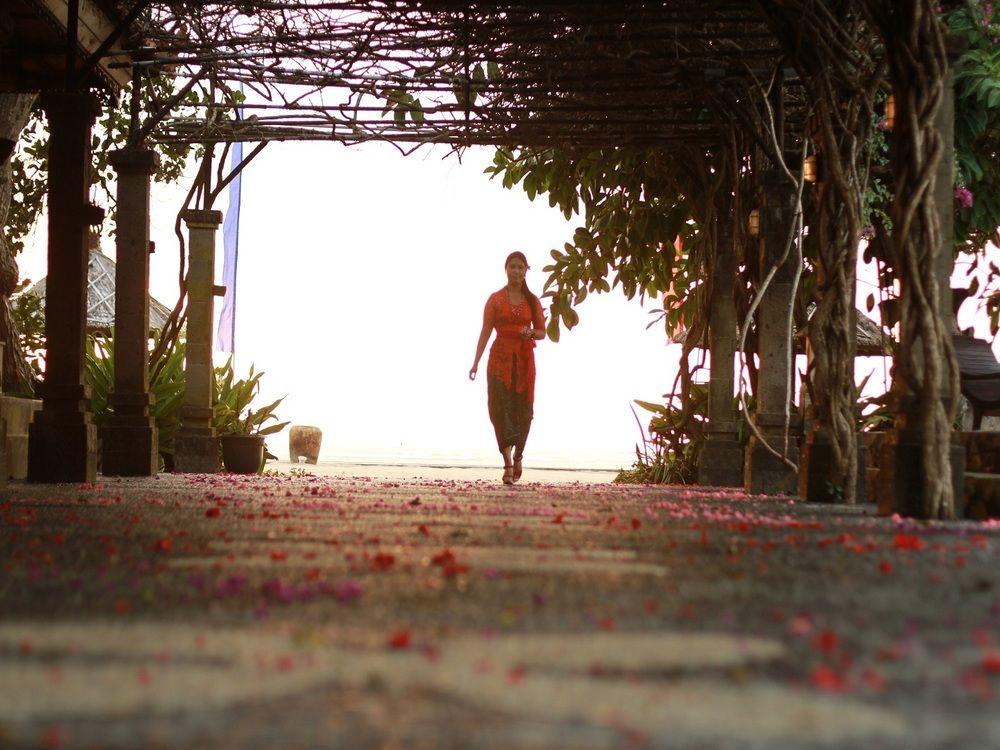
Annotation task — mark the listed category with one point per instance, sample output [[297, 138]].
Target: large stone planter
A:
[[304, 441]]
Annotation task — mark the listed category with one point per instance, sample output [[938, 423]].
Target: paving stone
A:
[[204, 611]]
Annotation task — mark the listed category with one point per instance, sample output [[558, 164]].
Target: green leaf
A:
[[552, 329], [274, 428], [649, 406]]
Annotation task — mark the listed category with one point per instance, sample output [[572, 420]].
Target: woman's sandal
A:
[[508, 474], [517, 469]]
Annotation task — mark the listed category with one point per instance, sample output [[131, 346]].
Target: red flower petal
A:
[[991, 662], [826, 641], [400, 639], [826, 679], [163, 545], [909, 542]]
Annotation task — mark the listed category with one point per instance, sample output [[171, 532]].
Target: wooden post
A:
[[129, 439], [196, 444], [721, 463], [62, 439], [764, 473]]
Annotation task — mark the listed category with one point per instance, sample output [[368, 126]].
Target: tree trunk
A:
[[15, 110]]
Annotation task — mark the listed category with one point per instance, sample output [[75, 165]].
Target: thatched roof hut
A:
[[101, 296]]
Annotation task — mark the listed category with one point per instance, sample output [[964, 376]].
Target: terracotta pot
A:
[[243, 454]]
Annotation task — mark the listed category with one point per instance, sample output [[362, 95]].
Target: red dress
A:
[[510, 370], [512, 360]]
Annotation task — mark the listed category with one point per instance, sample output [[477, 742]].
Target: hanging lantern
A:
[[753, 225], [890, 112], [810, 168]]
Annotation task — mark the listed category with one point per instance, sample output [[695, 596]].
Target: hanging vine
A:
[[914, 37], [831, 46]]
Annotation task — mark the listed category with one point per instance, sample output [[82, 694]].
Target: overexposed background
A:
[[362, 279]]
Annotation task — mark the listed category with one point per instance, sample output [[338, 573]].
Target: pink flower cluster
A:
[[964, 196]]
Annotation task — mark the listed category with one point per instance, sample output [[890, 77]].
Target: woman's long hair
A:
[[530, 298]]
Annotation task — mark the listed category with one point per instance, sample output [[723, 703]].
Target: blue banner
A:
[[226, 334]]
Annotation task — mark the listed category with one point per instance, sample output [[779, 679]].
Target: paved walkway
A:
[[300, 612]]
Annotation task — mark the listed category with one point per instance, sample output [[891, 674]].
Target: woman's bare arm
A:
[[484, 337]]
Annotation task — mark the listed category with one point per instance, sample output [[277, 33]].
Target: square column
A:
[[62, 439], [763, 473], [721, 463], [129, 438], [196, 444]]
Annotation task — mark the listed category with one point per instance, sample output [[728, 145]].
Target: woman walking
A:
[[516, 314]]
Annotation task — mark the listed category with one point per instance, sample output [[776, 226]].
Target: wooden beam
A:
[[94, 26]]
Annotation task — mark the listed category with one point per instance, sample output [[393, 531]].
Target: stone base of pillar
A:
[[816, 483], [62, 450], [4, 471], [196, 451], [900, 479], [129, 447], [765, 474], [721, 462]]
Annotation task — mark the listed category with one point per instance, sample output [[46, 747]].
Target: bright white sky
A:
[[362, 280]]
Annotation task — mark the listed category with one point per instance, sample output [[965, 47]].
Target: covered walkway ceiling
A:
[[33, 50], [548, 72]]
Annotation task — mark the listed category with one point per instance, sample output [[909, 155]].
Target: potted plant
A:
[[240, 426]]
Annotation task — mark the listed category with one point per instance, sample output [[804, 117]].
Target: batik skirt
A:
[[511, 413]]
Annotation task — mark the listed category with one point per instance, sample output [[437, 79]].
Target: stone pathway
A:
[[217, 611]]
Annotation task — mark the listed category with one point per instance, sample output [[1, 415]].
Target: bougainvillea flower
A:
[[909, 542], [963, 196], [400, 639], [348, 591], [825, 678]]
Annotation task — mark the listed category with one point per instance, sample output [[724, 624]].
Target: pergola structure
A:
[[747, 89]]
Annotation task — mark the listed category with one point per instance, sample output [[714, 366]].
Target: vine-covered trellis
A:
[[548, 73]]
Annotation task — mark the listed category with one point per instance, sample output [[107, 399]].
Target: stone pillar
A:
[[721, 462], [816, 462], [900, 481], [129, 439], [763, 473], [196, 444], [62, 440]]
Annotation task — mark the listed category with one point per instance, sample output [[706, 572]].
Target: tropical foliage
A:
[[166, 388], [672, 451], [29, 165], [234, 412], [28, 312], [633, 215], [977, 128]]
